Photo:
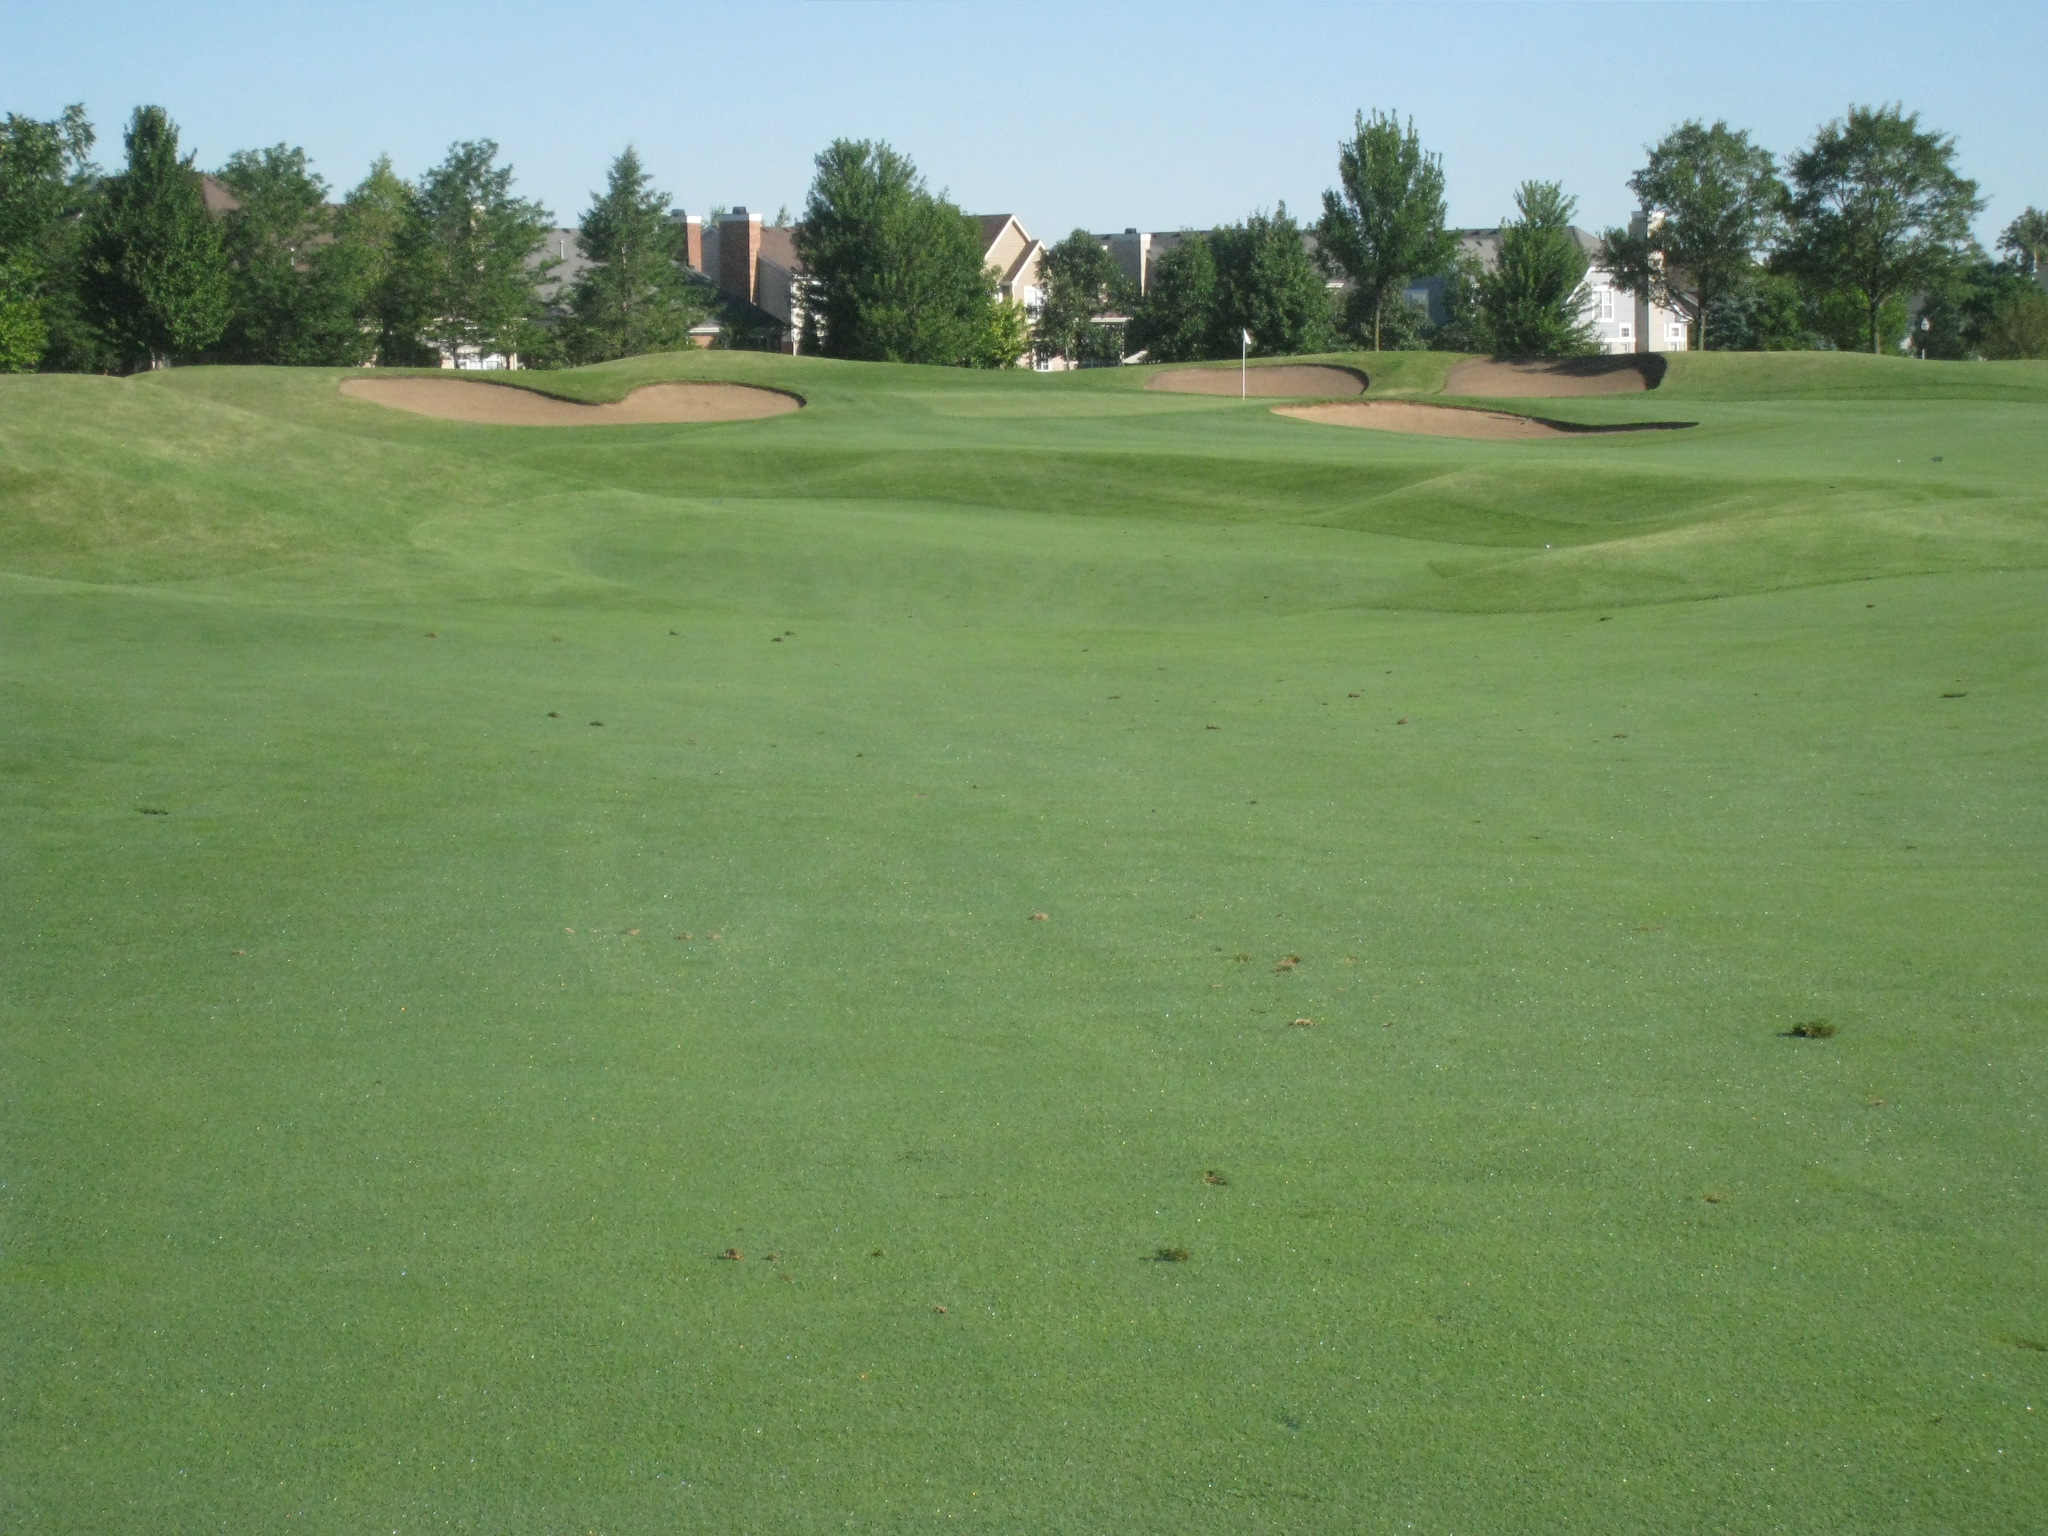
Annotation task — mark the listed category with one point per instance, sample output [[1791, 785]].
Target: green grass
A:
[[368, 1139]]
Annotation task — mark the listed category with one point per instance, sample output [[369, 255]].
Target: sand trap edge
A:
[[662, 402], [1477, 425]]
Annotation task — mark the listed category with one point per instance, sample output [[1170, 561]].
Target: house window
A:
[[1604, 298], [1627, 332]]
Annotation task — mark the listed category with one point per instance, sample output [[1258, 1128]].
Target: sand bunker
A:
[[1294, 380], [505, 405], [1454, 421], [1552, 378]]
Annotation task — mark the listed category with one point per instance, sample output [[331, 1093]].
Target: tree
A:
[[637, 295], [1533, 302], [23, 333], [46, 181], [1176, 320], [1001, 337], [1878, 210], [1386, 226], [155, 277], [1082, 283], [1712, 201], [2018, 326], [1268, 284], [2026, 237], [471, 246], [1957, 318], [374, 272], [895, 271], [269, 241]]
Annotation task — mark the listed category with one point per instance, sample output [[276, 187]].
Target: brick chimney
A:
[[739, 251], [693, 242]]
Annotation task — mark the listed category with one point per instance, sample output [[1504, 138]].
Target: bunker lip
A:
[[1423, 420], [1537, 378], [1290, 380], [503, 405]]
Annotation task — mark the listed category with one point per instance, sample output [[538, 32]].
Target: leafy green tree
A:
[[23, 332], [2026, 237], [1464, 326], [470, 247], [2017, 326], [1713, 204], [46, 181], [269, 240], [155, 277], [1957, 317], [1001, 337], [1533, 302], [1082, 283], [1176, 320], [638, 294], [1386, 226], [1766, 311], [372, 277], [1269, 285], [895, 271], [1878, 211]]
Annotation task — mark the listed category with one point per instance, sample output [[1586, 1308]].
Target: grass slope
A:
[[369, 1135]]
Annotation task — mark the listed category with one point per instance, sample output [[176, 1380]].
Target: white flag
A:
[[1247, 338]]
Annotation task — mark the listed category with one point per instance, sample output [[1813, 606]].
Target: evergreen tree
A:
[[1386, 226], [1533, 303], [1712, 203], [1268, 284], [1176, 320], [1082, 282], [638, 294], [470, 246], [1878, 212], [275, 304], [895, 271], [155, 277]]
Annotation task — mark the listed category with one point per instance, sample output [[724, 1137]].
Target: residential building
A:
[[1621, 320], [756, 266]]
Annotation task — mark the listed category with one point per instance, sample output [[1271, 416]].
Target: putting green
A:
[[461, 883]]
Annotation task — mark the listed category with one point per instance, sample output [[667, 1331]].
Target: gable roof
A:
[[992, 226]]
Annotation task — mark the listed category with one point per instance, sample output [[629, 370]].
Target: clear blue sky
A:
[[1105, 114]]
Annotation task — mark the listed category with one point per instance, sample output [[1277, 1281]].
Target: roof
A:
[[778, 244], [992, 226], [216, 195]]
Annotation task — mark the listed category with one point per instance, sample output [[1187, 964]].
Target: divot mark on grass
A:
[[151, 810], [1171, 1256], [1214, 1176], [1811, 1029], [732, 1256]]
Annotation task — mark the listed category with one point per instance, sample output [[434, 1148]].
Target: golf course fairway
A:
[[1213, 974]]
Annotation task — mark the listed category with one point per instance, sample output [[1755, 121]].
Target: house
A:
[[756, 267], [1622, 321]]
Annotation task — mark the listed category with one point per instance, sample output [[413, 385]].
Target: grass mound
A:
[[1009, 952]]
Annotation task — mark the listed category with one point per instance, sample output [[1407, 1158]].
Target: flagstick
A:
[[1244, 365]]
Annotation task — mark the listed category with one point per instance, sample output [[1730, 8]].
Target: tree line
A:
[[1831, 251], [113, 271], [110, 272]]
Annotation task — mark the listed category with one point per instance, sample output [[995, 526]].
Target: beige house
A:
[[756, 264]]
